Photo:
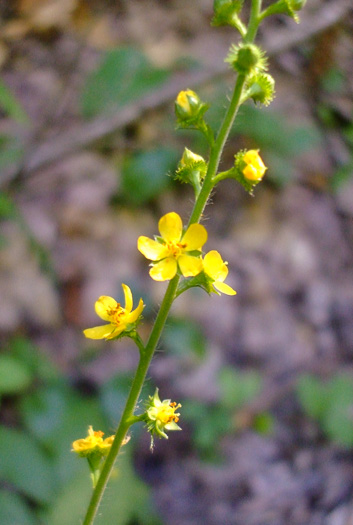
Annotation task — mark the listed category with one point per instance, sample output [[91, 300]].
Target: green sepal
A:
[[202, 280]]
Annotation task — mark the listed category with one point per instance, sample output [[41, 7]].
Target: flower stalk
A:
[[189, 107]]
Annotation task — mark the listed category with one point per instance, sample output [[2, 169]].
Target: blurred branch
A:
[[84, 134]]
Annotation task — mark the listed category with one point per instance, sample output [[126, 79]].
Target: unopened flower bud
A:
[[254, 168], [226, 12], [286, 7]]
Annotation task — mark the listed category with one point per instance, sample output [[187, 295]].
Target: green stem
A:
[[146, 353]]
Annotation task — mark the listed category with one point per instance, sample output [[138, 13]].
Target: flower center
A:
[[175, 249], [166, 414], [116, 314]]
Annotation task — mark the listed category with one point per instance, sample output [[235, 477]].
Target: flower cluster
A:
[[161, 416], [176, 251]]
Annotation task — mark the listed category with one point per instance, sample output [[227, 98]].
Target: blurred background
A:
[[88, 149]]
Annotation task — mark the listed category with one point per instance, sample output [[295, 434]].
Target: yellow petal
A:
[[224, 288], [195, 237], [152, 250], [104, 306], [171, 227], [100, 332], [136, 313], [128, 298], [189, 265], [164, 270], [214, 266]]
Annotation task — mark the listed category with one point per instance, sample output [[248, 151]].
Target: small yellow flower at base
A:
[[94, 444], [255, 168], [174, 249], [119, 318], [217, 270], [161, 416]]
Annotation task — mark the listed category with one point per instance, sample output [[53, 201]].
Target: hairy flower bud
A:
[[246, 59]]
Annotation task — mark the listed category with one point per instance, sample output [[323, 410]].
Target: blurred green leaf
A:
[[15, 376], [264, 423], [57, 416], [338, 417], [7, 207], [29, 354], [144, 174], [330, 404], [126, 501], [184, 337], [238, 386], [25, 465], [113, 394], [11, 151], [10, 105], [124, 76], [312, 395], [13, 510]]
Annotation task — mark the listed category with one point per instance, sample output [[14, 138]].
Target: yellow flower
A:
[[174, 249], [255, 168], [120, 319], [217, 270], [93, 443], [161, 416]]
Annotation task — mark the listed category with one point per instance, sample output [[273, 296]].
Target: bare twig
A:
[[87, 133]]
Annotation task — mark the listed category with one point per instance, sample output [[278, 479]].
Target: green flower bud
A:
[[286, 7], [192, 168], [189, 109], [246, 58], [226, 12]]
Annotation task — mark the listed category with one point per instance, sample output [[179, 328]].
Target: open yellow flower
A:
[[93, 443], [255, 168], [217, 270], [119, 318], [161, 416], [174, 249]]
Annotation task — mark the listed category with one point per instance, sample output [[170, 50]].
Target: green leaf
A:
[[13, 510], [338, 417], [124, 76], [25, 465], [11, 106], [144, 175], [238, 387], [126, 501], [11, 151], [57, 416], [15, 376], [312, 395], [184, 337]]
